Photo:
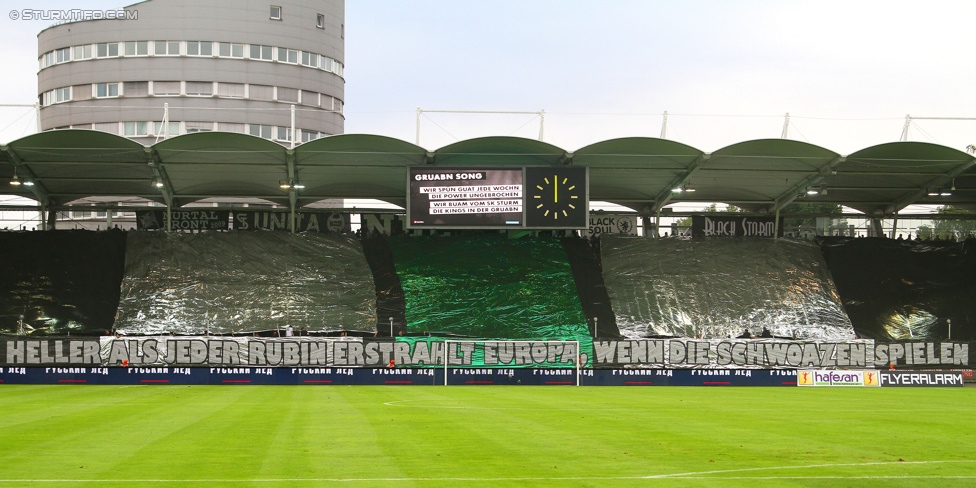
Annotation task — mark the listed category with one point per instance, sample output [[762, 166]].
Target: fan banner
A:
[[611, 224], [715, 226], [304, 221], [183, 220]]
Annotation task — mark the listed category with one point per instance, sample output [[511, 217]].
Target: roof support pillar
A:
[[776, 225], [789, 195], [163, 184], [40, 193], [665, 195], [936, 182], [292, 181], [877, 228], [52, 219]]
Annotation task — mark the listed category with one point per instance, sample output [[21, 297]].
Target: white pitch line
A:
[[400, 403], [810, 466], [688, 475]]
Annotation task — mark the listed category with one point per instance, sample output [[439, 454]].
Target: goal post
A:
[[522, 354]]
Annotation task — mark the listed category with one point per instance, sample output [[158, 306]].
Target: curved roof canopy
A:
[[639, 172]]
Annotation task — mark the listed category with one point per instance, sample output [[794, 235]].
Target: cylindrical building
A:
[[219, 65]]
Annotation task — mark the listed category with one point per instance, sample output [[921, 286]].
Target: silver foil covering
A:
[[721, 288], [231, 282]]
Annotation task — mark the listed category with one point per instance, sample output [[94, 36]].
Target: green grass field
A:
[[473, 436]]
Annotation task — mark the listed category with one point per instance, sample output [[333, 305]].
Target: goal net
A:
[[465, 354]]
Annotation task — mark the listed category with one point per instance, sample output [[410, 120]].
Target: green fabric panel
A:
[[489, 286]]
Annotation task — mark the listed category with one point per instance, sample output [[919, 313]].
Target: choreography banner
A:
[[371, 353], [292, 352], [773, 353]]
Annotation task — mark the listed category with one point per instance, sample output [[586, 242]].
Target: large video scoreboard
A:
[[531, 197]]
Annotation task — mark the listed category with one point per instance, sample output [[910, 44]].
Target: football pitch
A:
[[489, 435]]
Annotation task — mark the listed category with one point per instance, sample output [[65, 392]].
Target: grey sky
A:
[[726, 71]]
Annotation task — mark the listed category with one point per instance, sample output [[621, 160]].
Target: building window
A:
[[199, 88], [320, 21], [107, 50], [199, 48], [231, 50], [81, 92], [63, 55], [83, 52], [137, 48], [63, 94], [136, 88], [110, 127], [287, 55], [168, 129], [310, 98], [192, 127], [105, 90], [310, 59], [326, 63], [275, 12], [284, 134], [167, 48], [166, 88], [262, 131], [230, 127], [135, 129], [260, 92], [261, 52], [287, 94], [311, 135], [230, 90]]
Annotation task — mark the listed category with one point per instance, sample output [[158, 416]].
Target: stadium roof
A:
[[637, 172]]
